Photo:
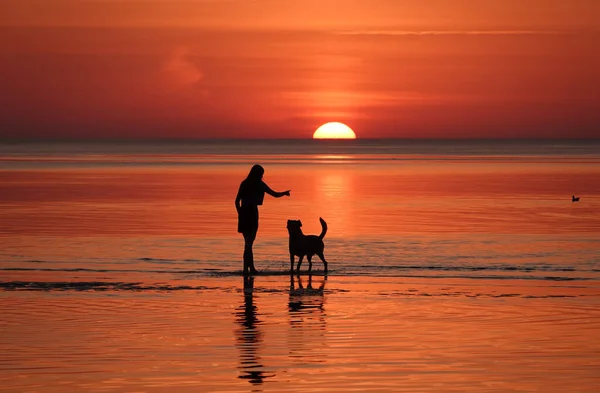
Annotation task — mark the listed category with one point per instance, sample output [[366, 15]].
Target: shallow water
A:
[[452, 268], [339, 334]]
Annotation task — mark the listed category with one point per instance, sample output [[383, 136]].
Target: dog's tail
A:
[[324, 226]]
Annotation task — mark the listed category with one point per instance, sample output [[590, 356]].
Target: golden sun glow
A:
[[334, 130]]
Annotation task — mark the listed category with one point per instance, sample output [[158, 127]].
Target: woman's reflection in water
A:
[[307, 319], [249, 337]]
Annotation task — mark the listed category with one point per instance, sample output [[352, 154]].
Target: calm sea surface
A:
[[454, 266]]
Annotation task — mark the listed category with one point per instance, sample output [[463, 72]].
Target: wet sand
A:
[[300, 334]]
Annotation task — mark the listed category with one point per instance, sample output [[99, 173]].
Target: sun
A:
[[334, 130]]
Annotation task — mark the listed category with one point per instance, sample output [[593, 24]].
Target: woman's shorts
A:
[[248, 219]]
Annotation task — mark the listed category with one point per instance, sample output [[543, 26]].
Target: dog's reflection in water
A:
[[306, 307], [249, 337]]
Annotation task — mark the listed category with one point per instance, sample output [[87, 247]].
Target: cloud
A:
[[446, 32], [180, 71], [346, 99]]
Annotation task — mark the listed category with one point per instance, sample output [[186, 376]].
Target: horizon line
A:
[[266, 139]]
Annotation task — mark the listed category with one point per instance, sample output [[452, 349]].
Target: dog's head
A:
[[294, 224]]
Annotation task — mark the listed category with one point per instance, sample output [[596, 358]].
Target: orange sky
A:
[[280, 68]]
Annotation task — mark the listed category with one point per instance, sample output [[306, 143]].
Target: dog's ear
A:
[[299, 223]]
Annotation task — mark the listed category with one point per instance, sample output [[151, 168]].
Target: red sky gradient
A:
[[280, 68]]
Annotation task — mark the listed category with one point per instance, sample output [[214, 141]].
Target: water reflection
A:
[[307, 319], [332, 189], [249, 337]]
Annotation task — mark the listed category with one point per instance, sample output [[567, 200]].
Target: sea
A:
[[454, 266]]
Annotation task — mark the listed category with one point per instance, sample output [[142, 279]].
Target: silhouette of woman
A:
[[249, 197], [249, 337]]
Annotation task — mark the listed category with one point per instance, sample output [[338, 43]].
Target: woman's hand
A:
[[287, 193]]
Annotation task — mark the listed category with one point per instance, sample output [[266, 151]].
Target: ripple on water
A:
[[301, 334]]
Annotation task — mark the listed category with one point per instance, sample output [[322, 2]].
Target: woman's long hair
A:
[[251, 185], [256, 174]]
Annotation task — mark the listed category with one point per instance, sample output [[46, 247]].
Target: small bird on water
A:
[[574, 199]]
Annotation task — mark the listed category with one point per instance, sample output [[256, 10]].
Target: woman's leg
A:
[[248, 255]]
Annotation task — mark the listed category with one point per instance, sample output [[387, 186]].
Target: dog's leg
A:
[[300, 258], [324, 261], [291, 263], [309, 257]]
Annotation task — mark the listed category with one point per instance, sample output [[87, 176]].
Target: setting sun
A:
[[334, 130]]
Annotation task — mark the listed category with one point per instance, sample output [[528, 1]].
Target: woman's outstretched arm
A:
[[275, 193]]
